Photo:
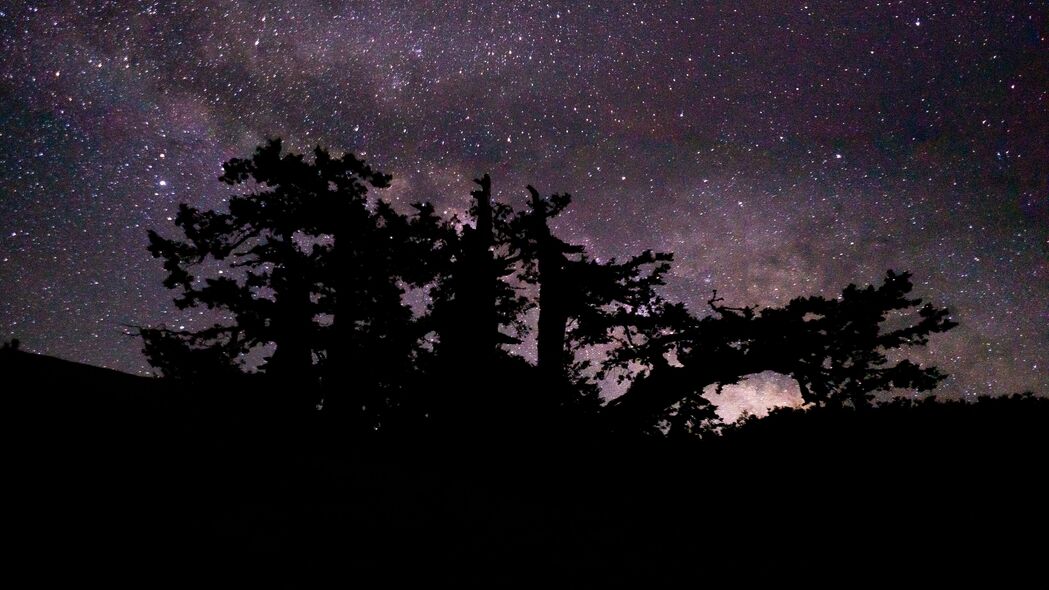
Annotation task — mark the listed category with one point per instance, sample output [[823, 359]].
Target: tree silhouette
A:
[[475, 311], [267, 291], [551, 268], [207, 356], [476, 306], [307, 264], [582, 302], [837, 349]]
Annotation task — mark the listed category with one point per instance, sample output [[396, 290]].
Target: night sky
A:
[[777, 148]]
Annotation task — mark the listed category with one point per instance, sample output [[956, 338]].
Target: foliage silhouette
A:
[[836, 349], [304, 263], [583, 303]]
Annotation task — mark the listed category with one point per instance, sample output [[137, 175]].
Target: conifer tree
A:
[[302, 261], [837, 350], [582, 302]]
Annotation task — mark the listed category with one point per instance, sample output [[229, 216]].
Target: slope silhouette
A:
[[171, 486]]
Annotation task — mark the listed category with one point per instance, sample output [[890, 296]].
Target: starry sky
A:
[[777, 148]]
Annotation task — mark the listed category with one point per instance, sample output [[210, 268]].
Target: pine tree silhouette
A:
[[549, 264], [256, 239], [313, 268], [836, 349], [582, 302], [475, 311], [308, 265]]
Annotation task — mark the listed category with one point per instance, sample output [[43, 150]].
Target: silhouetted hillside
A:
[[47, 371], [111, 477]]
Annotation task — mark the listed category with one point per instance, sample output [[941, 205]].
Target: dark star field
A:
[[777, 148]]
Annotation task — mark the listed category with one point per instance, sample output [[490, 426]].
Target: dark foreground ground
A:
[[120, 482]]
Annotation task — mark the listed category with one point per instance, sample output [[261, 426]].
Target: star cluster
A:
[[777, 148]]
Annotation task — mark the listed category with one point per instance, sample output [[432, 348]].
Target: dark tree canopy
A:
[[384, 315], [303, 263], [583, 303], [836, 349]]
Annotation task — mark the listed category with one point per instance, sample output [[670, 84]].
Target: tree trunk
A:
[[553, 316], [485, 272], [292, 360]]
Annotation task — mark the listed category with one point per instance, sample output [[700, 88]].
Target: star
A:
[[661, 120]]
